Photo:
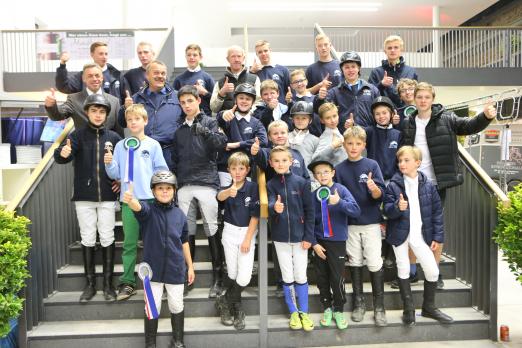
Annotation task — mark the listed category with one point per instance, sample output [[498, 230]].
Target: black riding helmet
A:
[[302, 108], [383, 101], [245, 88], [350, 56], [98, 100]]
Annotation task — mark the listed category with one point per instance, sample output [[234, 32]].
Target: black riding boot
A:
[[428, 306], [408, 312], [108, 270], [217, 267], [151, 329], [359, 306], [177, 321], [377, 279], [234, 298], [88, 264]]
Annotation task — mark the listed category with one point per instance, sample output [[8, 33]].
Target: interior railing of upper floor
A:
[[433, 47]]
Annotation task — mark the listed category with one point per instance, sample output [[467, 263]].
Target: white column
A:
[[435, 24]]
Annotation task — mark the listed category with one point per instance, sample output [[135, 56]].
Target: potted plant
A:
[[14, 248], [508, 233]]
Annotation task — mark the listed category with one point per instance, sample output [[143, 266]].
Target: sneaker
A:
[[340, 320], [327, 317], [395, 283], [125, 291], [388, 263], [295, 321], [414, 279], [440, 283], [306, 321]]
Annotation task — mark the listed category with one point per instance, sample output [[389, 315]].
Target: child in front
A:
[[291, 212], [415, 220], [331, 231], [166, 250], [241, 205]]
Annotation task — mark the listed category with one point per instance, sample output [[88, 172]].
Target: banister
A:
[[26, 187], [415, 27], [263, 196]]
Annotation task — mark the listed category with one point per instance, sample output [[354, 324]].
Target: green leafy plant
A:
[[14, 247], [508, 233]]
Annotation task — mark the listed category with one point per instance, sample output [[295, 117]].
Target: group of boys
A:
[[308, 131]]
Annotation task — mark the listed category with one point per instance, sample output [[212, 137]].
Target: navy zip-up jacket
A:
[[359, 103], [339, 214], [397, 71], [382, 145], [164, 229], [398, 225], [296, 223], [298, 166]]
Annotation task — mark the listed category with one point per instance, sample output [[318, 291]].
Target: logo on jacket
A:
[[363, 178], [276, 77], [393, 145], [367, 92], [337, 72], [247, 201], [200, 82], [295, 163], [117, 84], [247, 130], [145, 154]]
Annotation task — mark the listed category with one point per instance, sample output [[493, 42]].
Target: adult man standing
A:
[[393, 68], [72, 83], [92, 79], [269, 71], [325, 72], [236, 73], [162, 105], [135, 78]]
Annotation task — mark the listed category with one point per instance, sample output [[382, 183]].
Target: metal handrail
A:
[[414, 27], [39, 170]]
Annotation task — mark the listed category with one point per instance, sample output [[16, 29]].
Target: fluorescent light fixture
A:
[[304, 6]]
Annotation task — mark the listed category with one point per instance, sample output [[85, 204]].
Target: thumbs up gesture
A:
[[336, 142], [279, 207], [229, 114], [288, 96], [396, 119], [490, 111], [349, 121], [228, 87], [127, 195], [64, 57], [107, 157], [387, 81], [334, 198], [202, 91], [403, 204], [50, 100], [128, 99], [232, 190], [326, 83], [66, 149], [370, 183], [255, 67], [254, 149]]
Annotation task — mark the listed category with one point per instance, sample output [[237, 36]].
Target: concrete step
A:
[[71, 277], [199, 331], [64, 306]]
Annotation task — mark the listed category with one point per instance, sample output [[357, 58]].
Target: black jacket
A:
[[244, 77], [441, 133], [91, 182], [194, 152]]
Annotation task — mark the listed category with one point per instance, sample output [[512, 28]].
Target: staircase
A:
[[67, 323]]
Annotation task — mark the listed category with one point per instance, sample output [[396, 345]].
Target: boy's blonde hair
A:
[[279, 149], [238, 158], [320, 37], [136, 109], [357, 132], [405, 83], [424, 86], [260, 43], [296, 72], [194, 47], [327, 107], [277, 124], [412, 150], [392, 38], [269, 84]]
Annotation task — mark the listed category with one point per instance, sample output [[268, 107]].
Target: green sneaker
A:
[[308, 324], [327, 317], [295, 321], [340, 320]]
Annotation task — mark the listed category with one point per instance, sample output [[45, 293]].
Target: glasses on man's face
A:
[[326, 172], [296, 82], [410, 90]]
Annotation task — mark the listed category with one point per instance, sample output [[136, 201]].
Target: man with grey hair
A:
[[236, 73], [92, 80]]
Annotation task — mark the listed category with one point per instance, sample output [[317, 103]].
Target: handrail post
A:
[[262, 238], [493, 282]]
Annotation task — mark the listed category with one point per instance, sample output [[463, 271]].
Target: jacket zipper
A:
[[98, 163], [287, 214]]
